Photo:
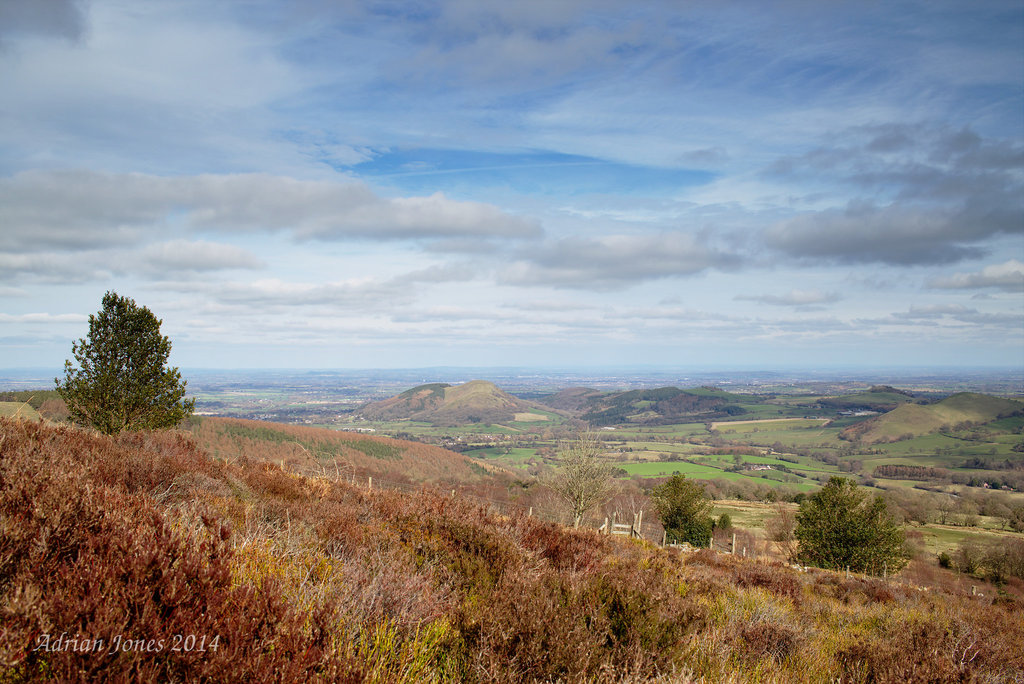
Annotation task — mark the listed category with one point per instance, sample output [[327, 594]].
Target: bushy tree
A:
[[684, 510], [584, 480], [841, 526], [122, 381]]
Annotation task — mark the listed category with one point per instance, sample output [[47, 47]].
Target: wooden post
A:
[[453, 493], [733, 549], [744, 551], [369, 484], [640, 524], [974, 590], [530, 514], [664, 539], [847, 572]]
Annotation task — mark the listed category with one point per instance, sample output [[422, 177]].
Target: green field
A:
[[20, 409]]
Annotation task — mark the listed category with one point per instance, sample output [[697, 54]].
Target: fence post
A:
[[369, 484], [732, 551], [530, 514], [664, 539]]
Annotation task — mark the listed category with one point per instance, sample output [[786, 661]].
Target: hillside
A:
[[346, 454], [659, 406], [571, 399], [913, 420], [19, 409], [142, 538], [477, 401], [878, 398]]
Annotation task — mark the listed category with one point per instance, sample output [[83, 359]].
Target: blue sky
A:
[[463, 182]]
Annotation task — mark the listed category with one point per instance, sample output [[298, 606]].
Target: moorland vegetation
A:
[[138, 538]]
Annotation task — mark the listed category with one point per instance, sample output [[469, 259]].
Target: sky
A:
[[388, 184]]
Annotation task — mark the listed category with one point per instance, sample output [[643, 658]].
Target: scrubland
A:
[[145, 539]]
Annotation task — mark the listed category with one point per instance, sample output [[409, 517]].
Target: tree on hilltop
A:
[[841, 526], [122, 381]]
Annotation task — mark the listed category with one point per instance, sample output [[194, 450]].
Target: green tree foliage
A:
[[584, 480], [724, 521], [684, 509], [841, 526], [122, 381]]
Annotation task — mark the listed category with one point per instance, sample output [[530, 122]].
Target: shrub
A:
[[840, 527], [684, 509]]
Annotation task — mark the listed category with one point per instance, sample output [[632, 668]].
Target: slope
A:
[[662, 405], [144, 538], [346, 454], [477, 401], [878, 398], [913, 420]]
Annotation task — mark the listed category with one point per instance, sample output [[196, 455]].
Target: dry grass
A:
[[314, 579]]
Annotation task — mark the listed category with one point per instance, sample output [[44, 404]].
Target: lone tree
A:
[[584, 480], [841, 526], [684, 509], [123, 382]]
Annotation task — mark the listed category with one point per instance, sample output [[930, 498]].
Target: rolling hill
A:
[[443, 405], [914, 420], [649, 406], [878, 398]]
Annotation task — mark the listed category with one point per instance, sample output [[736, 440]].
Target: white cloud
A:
[[1007, 276], [53, 267], [43, 318], [79, 209], [615, 261], [182, 255]]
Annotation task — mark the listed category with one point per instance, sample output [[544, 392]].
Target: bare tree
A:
[[584, 480]]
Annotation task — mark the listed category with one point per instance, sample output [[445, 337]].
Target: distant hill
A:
[[571, 399], [913, 420], [878, 398], [648, 406], [477, 401]]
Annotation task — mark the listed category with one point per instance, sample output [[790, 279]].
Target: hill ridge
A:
[[446, 405], [913, 420]]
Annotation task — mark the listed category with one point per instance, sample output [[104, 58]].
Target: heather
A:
[[146, 536]]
